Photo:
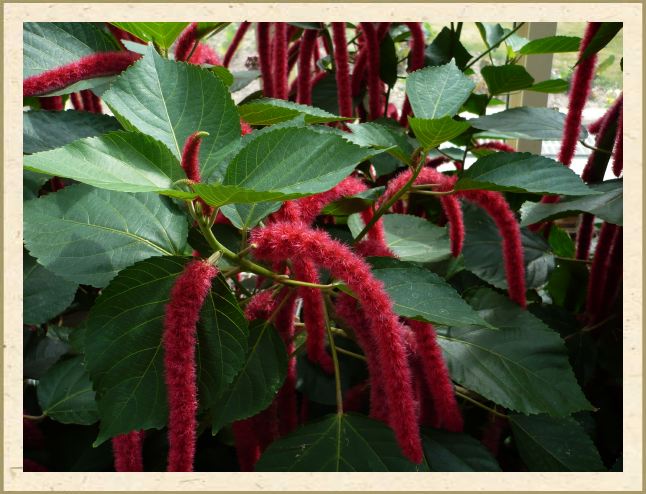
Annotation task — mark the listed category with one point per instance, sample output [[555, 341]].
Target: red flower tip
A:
[[245, 128], [618, 152], [191, 155], [128, 452], [260, 306]]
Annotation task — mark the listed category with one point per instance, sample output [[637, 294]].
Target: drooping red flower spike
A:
[[492, 435], [186, 42], [180, 326], [128, 452], [595, 168], [246, 443], [304, 80], [584, 236], [260, 306], [598, 271], [280, 60], [191, 155], [342, 69], [415, 62], [77, 102], [204, 54], [579, 92], [355, 397], [594, 127], [96, 65], [618, 151], [264, 58], [235, 42], [51, 103], [285, 240], [374, 82], [91, 102], [614, 273]]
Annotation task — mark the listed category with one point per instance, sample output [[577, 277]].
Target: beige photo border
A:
[[629, 480]]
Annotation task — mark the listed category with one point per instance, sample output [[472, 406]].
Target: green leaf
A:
[[123, 345], [550, 86], [353, 204], [225, 76], [605, 34], [31, 184], [548, 444], [47, 45], [45, 130], [456, 452], [482, 251], [268, 111], [490, 33], [523, 366], [447, 46], [560, 242], [245, 216], [608, 206], [551, 44], [432, 133], [414, 239], [506, 78], [158, 97], [40, 352], [121, 161], [388, 61], [241, 79], [45, 295], [261, 376], [337, 443], [522, 172], [543, 124], [88, 235], [163, 34], [436, 92], [65, 393], [420, 294], [372, 134]]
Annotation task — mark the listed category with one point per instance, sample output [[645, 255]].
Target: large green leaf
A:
[[551, 44], [420, 294], [436, 92], [607, 206], [382, 137], [337, 443], [44, 294], [445, 47], [40, 351], [415, 239], [548, 444], [483, 251], [45, 130], [88, 235], [506, 78], [121, 161], [522, 172], [543, 124], [123, 345], [456, 452], [550, 86], [162, 34], [268, 111], [47, 45], [523, 366], [65, 393], [261, 376], [490, 33], [159, 97], [31, 184], [432, 133]]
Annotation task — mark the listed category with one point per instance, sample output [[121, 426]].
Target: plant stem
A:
[[478, 404], [350, 353], [590, 146], [417, 163], [335, 361], [431, 192], [34, 417], [494, 46]]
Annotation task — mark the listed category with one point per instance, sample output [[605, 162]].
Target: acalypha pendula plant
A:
[[324, 274]]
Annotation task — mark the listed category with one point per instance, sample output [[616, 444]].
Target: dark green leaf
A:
[[353, 204], [45, 130], [337, 443], [388, 61], [506, 78], [225, 76], [548, 444], [88, 235], [456, 452], [604, 35], [65, 393], [522, 172], [45, 295], [551, 44], [490, 33], [261, 376], [560, 242], [163, 34], [447, 46], [432, 133], [325, 95], [526, 123], [436, 92], [32, 183], [607, 206], [268, 111], [415, 239], [566, 284], [550, 86], [241, 79], [40, 352], [483, 251]]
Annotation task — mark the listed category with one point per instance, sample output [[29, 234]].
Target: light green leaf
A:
[[158, 97], [162, 34], [31, 184], [45, 130], [456, 452], [337, 443], [414, 239], [65, 393], [88, 235], [372, 134], [490, 33], [432, 133], [522, 172], [506, 78], [225, 76], [551, 44], [548, 444], [245, 216], [268, 111], [550, 86], [436, 92]]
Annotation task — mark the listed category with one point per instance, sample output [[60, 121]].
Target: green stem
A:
[[335, 361], [589, 146], [34, 417], [494, 46], [423, 192], [350, 353]]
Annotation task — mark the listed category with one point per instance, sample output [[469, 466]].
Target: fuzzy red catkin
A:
[[235, 42], [496, 206], [304, 77], [180, 325], [614, 274], [598, 271], [447, 412], [91, 103], [416, 62], [280, 60], [260, 306], [594, 127], [584, 236], [186, 42], [128, 452], [191, 156], [51, 103], [618, 152], [592, 172], [285, 240], [492, 434], [579, 92], [77, 102], [354, 398], [342, 68], [204, 54], [374, 82], [95, 65], [246, 443], [313, 314], [264, 58]]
